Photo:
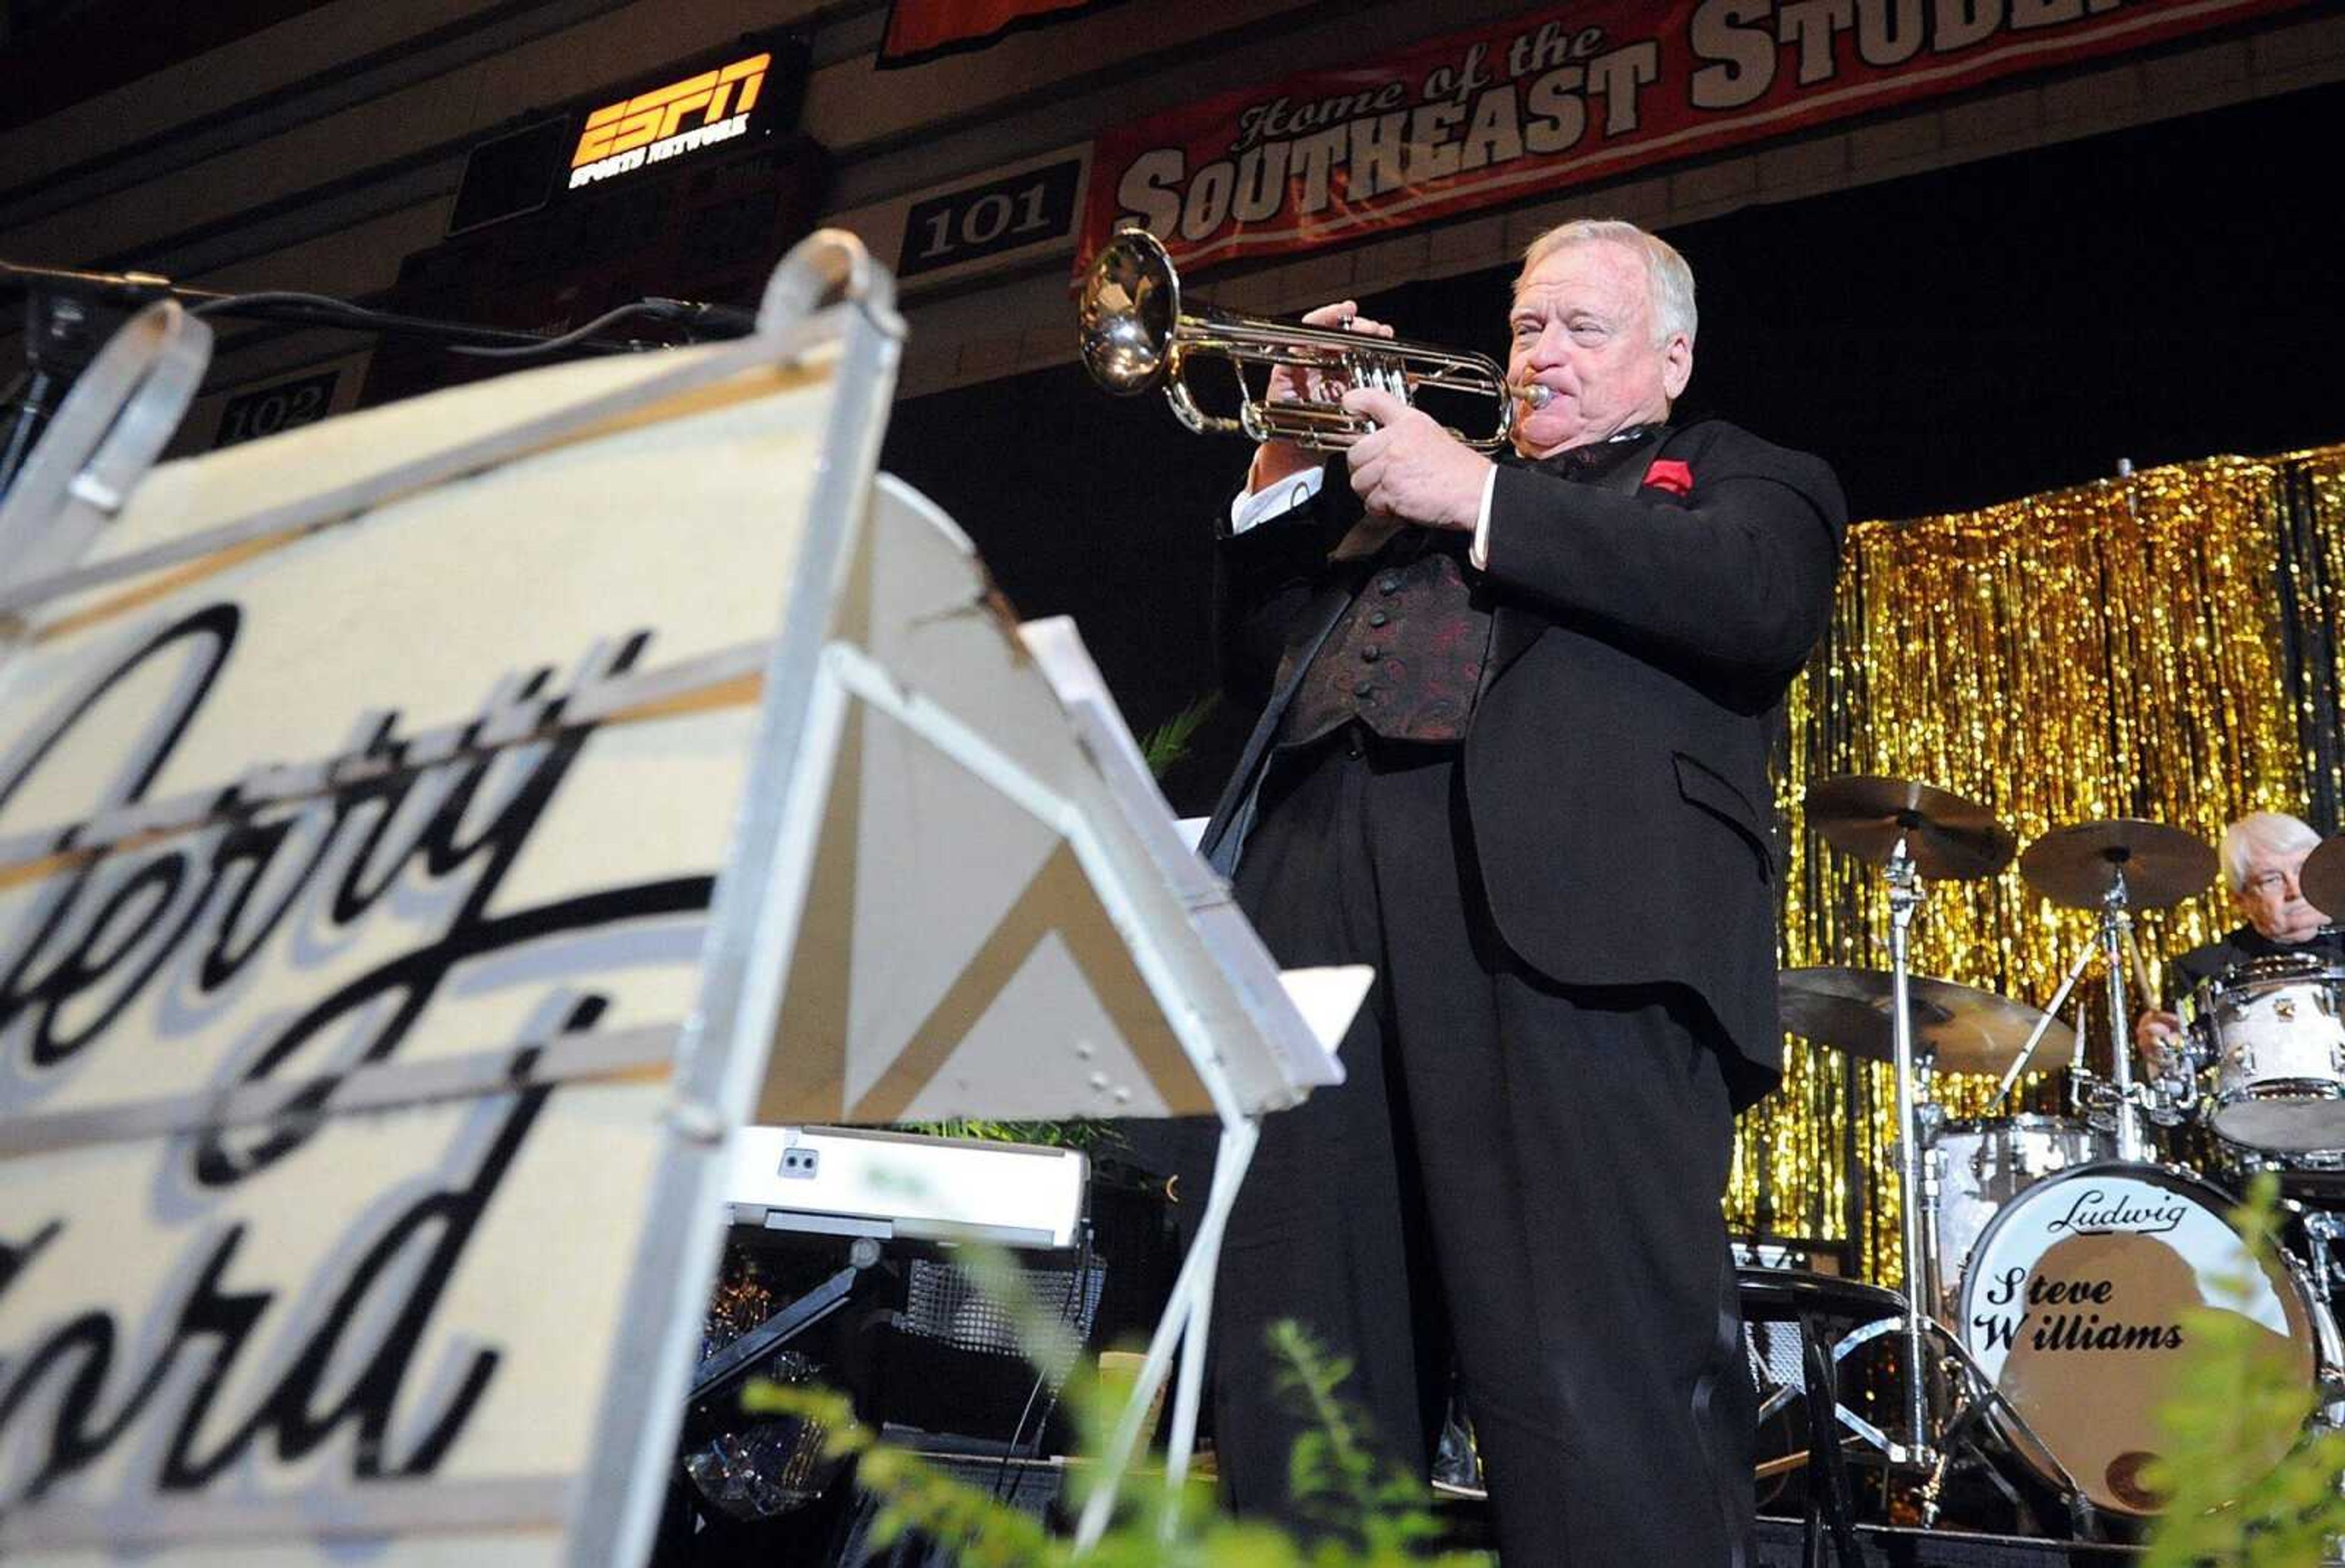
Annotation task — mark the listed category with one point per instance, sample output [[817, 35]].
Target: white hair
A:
[[2272, 831], [1670, 279]]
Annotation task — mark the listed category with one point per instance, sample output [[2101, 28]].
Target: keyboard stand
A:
[[734, 1362]]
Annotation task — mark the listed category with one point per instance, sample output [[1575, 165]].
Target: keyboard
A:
[[845, 1182]]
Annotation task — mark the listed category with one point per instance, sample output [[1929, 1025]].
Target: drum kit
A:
[[2049, 1259]]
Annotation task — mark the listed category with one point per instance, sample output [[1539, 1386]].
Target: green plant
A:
[[1381, 1521], [1333, 1473], [1093, 1138], [1168, 743], [2234, 1404]]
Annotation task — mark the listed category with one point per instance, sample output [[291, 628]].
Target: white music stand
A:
[[978, 903]]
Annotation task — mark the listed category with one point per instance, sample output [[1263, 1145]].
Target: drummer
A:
[[2262, 853]]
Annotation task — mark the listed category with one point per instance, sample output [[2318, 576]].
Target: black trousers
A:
[[1517, 1181]]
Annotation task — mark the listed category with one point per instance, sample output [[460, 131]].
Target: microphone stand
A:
[[60, 341], [66, 311]]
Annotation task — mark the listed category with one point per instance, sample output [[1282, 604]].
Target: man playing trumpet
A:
[[1516, 717]]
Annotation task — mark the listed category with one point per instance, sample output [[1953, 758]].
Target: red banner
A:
[[1568, 97], [920, 30]]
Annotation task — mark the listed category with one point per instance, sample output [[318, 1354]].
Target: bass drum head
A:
[[2073, 1304]]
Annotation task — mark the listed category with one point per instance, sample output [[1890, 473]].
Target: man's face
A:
[[2272, 900], [1582, 327]]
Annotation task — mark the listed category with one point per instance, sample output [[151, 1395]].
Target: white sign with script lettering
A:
[[424, 837], [362, 793]]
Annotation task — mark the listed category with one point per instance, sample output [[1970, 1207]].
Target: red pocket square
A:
[[1668, 475]]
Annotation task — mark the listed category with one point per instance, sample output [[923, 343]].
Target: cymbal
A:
[[1948, 838], [2075, 865], [1956, 1029], [2323, 880]]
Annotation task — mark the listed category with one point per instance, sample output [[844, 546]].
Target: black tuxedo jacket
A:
[[1616, 764]]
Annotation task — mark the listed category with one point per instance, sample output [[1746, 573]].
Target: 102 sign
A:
[[265, 410]]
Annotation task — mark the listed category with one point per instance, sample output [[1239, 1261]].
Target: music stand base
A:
[[1188, 1315]]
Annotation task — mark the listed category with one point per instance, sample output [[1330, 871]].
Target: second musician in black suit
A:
[[1513, 755]]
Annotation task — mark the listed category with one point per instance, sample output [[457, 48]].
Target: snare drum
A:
[[1982, 1164], [2074, 1305], [2271, 1029]]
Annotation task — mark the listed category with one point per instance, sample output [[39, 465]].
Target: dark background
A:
[[1946, 340]]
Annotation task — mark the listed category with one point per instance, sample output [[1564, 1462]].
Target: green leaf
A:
[[1168, 743], [1377, 1518], [2234, 1402]]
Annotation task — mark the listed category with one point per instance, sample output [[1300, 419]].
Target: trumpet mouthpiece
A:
[[1533, 396]]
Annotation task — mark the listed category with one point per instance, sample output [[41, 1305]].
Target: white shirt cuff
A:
[[1480, 554], [1259, 506]]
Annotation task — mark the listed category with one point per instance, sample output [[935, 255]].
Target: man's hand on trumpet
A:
[[1275, 461], [1410, 467]]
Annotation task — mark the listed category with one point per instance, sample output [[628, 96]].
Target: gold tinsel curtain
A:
[[2159, 646]]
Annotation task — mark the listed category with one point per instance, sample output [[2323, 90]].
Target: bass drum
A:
[[2074, 1305]]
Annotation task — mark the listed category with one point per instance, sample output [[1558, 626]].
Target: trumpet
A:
[[1136, 338]]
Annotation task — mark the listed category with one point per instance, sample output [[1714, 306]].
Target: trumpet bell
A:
[[1131, 304], [1134, 338]]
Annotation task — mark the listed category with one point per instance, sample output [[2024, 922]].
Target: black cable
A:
[[326, 311], [1016, 1434], [284, 296], [1018, 1430], [575, 335], [1083, 1296], [1050, 1409], [1076, 1298]]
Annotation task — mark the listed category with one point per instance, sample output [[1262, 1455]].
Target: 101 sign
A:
[[986, 219]]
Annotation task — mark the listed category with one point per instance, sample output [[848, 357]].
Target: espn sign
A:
[[652, 128], [737, 98]]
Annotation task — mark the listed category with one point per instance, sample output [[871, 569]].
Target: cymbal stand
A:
[[1917, 1190], [2113, 941], [1918, 1205]]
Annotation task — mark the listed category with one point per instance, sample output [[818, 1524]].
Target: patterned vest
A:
[[1407, 658], [1408, 655]]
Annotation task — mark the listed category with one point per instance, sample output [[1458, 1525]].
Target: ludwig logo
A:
[[651, 127]]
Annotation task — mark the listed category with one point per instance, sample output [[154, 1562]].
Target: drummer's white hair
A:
[[1667, 277], [2272, 831]]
